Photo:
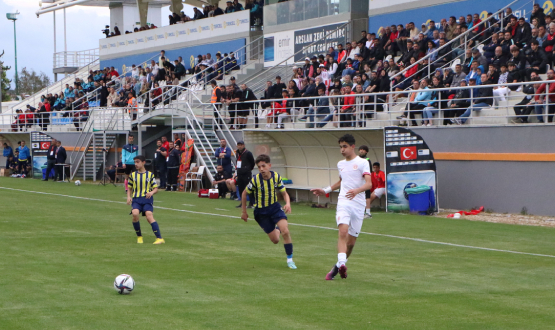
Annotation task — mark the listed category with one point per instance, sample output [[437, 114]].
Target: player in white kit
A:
[[354, 180]]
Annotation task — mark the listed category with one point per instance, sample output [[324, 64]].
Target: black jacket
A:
[[268, 95], [247, 162], [173, 158], [485, 95], [61, 156], [248, 95], [277, 88], [523, 34], [497, 61], [159, 159], [537, 58], [51, 153]]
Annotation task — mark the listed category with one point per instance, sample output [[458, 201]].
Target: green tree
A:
[[30, 82], [5, 83]]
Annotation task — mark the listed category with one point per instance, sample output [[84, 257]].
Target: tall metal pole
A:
[[15, 47], [65, 41], [55, 59]]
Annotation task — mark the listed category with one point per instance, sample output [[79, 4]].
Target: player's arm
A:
[[150, 193], [287, 207], [366, 186], [129, 199], [244, 214], [323, 192]]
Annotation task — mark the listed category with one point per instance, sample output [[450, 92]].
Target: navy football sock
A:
[[137, 227], [288, 249], [156, 229]]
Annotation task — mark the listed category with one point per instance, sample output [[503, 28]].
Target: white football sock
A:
[[368, 211], [341, 259]]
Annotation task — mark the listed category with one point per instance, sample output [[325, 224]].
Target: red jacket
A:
[[114, 73], [541, 90], [348, 101], [280, 107], [340, 56], [549, 48]]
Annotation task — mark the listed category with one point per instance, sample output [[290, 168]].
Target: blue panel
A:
[[188, 54], [461, 8]]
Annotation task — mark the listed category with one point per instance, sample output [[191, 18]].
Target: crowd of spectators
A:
[[499, 51]]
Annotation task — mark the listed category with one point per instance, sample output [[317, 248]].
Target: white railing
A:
[[75, 59]]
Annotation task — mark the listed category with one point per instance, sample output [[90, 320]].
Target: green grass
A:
[[60, 255]]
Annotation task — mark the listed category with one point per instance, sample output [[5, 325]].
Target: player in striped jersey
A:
[[142, 186], [268, 213]]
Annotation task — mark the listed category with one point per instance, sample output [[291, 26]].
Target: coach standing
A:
[[245, 164], [51, 159], [128, 152], [160, 163], [223, 157], [173, 162]]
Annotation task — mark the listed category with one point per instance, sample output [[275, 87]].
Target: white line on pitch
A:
[[221, 209], [187, 204], [297, 224]]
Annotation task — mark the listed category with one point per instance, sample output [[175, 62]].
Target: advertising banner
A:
[[323, 42], [281, 45], [40, 143], [408, 162], [160, 38], [278, 47], [397, 183]]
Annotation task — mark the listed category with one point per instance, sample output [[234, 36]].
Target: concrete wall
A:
[[502, 186]]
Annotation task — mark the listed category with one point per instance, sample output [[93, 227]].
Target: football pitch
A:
[[61, 247]]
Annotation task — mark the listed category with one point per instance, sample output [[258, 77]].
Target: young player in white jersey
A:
[[354, 180]]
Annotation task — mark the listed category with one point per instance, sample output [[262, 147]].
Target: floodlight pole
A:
[[13, 17]]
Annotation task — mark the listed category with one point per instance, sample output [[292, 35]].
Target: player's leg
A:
[[367, 213], [136, 224], [154, 224], [287, 242], [351, 240]]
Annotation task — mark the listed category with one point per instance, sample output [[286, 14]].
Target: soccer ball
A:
[[124, 284], [77, 183]]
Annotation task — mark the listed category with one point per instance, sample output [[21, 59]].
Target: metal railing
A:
[[75, 59], [463, 38], [371, 109]]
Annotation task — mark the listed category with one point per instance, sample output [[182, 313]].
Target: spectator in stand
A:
[[237, 5], [216, 101], [540, 99], [499, 58], [24, 159], [536, 58], [489, 49], [321, 109], [430, 31], [541, 35], [523, 33], [526, 105], [220, 181], [232, 97], [179, 70], [346, 117], [538, 14], [514, 76], [550, 42], [278, 87], [198, 14], [7, 152], [418, 100], [507, 42], [459, 102], [229, 7], [279, 108], [172, 163], [518, 59], [246, 95], [484, 100]]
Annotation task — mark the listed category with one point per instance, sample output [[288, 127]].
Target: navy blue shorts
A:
[[143, 204], [268, 217]]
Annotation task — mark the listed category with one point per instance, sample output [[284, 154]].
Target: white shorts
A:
[[379, 192], [350, 214]]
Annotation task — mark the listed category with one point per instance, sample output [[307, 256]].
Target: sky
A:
[[35, 36]]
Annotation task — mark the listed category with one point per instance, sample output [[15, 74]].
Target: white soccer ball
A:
[[124, 284], [457, 215], [77, 183]]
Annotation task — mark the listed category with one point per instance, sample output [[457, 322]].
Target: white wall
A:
[[376, 4]]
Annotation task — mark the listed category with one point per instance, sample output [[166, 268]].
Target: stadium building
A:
[[485, 144]]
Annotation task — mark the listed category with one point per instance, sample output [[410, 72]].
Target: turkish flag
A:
[[408, 153], [44, 145]]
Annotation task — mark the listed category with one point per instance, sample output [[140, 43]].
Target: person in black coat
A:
[[268, 95], [246, 95], [484, 100], [278, 87], [536, 57], [61, 157], [525, 107], [104, 95], [245, 165], [51, 159], [523, 34]]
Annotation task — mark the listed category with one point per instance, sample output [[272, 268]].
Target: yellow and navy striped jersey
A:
[[141, 183], [265, 191]]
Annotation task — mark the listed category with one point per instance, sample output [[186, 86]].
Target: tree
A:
[[30, 82], [5, 83]]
